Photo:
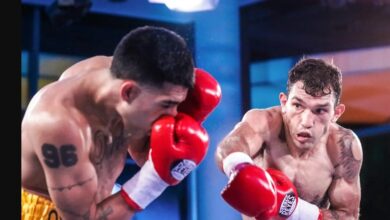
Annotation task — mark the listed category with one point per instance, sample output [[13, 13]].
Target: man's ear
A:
[[338, 111], [129, 90], [283, 100]]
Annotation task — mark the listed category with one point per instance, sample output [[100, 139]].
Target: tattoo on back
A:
[[55, 157], [349, 163]]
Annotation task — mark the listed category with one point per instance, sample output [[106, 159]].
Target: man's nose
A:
[[307, 119], [172, 111]]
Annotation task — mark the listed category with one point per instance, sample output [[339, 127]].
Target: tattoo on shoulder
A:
[[70, 187], [56, 156], [350, 164]]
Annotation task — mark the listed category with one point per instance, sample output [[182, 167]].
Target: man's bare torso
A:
[[105, 142], [312, 175]]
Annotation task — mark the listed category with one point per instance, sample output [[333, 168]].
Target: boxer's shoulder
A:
[[90, 64], [264, 120], [95, 62], [263, 115], [341, 137], [345, 150], [52, 117]]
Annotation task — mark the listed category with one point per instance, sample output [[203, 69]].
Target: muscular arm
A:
[[344, 192], [247, 136], [70, 175]]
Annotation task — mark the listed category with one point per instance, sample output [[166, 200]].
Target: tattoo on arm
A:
[[69, 187], [84, 216], [335, 215], [55, 157], [104, 213], [350, 164]]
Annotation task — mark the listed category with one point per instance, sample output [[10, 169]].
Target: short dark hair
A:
[[317, 77], [153, 55]]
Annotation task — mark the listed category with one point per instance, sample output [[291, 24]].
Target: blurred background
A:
[[249, 46]]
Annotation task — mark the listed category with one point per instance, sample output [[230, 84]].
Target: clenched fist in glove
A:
[[263, 194], [203, 98], [177, 145]]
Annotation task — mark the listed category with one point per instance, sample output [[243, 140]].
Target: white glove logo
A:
[[182, 169]]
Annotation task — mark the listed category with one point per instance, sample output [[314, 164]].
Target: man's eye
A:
[[321, 111], [166, 105], [296, 105]]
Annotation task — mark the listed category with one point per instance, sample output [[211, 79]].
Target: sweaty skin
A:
[[301, 138], [77, 131]]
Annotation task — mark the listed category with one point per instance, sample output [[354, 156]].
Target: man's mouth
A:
[[303, 136]]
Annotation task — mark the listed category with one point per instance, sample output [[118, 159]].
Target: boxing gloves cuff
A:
[[233, 159], [143, 187], [305, 211]]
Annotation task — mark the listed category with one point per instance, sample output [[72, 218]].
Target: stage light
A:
[[188, 5]]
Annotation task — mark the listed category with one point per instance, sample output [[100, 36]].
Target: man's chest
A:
[[311, 177], [312, 181]]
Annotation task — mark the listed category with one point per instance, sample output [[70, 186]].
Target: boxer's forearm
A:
[[113, 207], [331, 214], [229, 145]]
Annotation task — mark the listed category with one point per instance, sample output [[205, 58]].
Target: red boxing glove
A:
[[203, 98], [250, 190], [287, 196], [177, 145], [263, 194], [289, 205]]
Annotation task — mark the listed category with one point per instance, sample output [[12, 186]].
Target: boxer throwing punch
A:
[[147, 100], [294, 161]]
